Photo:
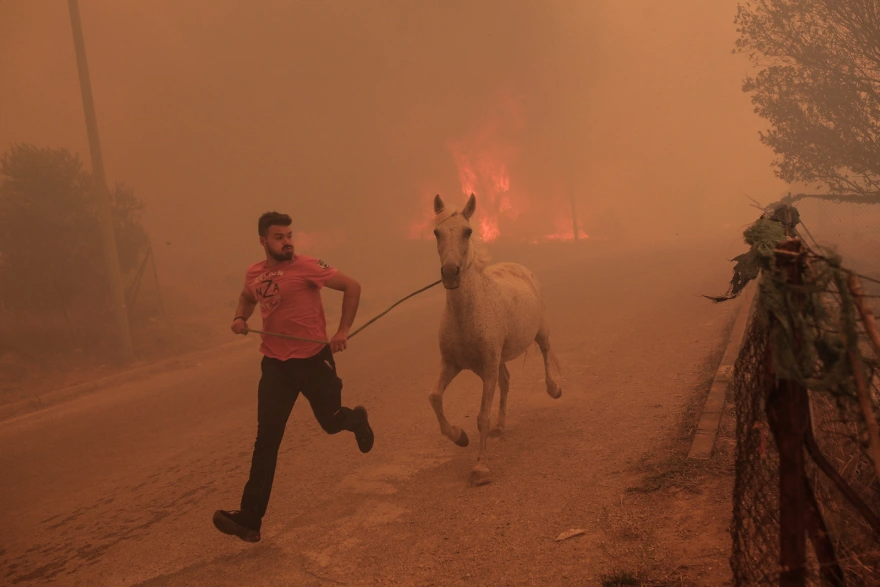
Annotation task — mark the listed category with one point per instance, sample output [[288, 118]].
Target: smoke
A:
[[348, 116]]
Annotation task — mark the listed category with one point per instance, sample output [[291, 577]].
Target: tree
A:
[[819, 87], [50, 243]]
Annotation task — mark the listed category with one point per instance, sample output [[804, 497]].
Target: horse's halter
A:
[[472, 254]]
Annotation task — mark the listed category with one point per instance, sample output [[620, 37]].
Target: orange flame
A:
[[483, 159], [482, 170]]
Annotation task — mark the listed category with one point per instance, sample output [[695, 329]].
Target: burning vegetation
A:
[[485, 160]]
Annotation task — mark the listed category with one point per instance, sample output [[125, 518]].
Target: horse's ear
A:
[[469, 207], [439, 206]]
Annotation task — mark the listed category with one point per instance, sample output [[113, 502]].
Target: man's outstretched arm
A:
[[351, 296]]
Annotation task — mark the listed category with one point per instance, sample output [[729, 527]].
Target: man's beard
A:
[[282, 256]]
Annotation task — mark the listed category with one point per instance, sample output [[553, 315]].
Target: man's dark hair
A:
[[272, 219]]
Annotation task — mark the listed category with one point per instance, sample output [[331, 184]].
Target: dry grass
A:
[[677, 473], [675, 578]]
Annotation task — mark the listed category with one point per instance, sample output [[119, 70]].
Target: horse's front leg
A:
[[448, 371], [489, 374]]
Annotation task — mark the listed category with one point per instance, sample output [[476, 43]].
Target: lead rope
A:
[[395, 304]]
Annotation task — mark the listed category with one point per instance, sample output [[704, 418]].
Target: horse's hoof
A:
[[462, 439], [496, 432], [479, 476], [555, 393]]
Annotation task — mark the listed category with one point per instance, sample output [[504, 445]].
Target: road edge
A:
[[703, 442], [72, 392]]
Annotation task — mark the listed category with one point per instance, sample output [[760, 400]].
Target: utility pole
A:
[[114, 275]]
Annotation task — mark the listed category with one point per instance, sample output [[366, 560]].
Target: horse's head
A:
[[453, 233]]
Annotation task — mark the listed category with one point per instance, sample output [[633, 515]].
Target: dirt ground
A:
[[118, 487]]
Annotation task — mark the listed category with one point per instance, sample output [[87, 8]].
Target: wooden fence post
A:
[[787, 405]]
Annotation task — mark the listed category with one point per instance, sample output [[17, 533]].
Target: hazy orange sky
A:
[[343, 114]]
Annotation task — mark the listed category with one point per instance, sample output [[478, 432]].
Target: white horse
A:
[[493, 314]]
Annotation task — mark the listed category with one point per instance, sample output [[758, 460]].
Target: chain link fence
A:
[[806, 387]]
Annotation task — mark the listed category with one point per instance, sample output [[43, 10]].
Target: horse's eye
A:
[[468, 232]]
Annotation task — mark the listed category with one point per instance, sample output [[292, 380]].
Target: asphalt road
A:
[[118, 487]]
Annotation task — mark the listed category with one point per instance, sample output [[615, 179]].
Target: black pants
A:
[[280, 385]]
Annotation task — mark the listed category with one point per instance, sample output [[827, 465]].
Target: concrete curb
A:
[[703, 442], [66, 394]]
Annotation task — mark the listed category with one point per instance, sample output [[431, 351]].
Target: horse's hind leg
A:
[[551, 363], [503, 387], [448, 371]]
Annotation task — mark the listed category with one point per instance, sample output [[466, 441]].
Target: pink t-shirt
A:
[[289, 296]]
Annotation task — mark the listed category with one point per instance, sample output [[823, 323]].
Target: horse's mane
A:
[[482, 258]]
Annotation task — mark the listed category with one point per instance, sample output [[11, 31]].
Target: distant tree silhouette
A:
[[51, 256], [819, 87]]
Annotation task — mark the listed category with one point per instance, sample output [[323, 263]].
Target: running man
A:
[[287, 288]]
